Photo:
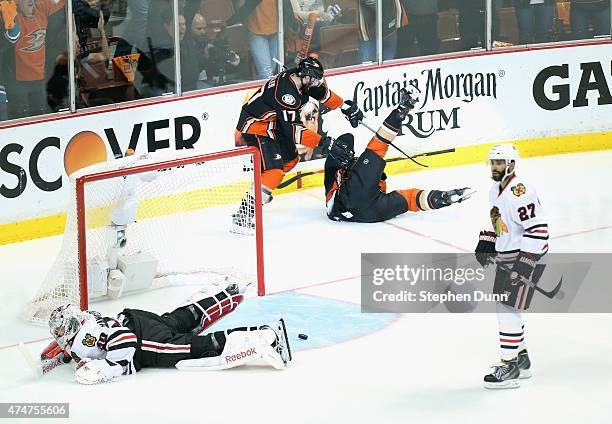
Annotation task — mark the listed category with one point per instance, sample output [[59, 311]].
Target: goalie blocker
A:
[[106, 348]]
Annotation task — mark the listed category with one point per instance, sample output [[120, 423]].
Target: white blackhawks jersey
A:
[[518, 219], [105, 342]]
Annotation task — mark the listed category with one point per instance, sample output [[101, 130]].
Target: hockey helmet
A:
[[310, 67], [65, 323], [505, 152]]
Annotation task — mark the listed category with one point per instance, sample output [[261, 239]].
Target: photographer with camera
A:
[[205, 62]]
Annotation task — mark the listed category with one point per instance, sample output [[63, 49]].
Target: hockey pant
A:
[[277, 158], [164, 340]]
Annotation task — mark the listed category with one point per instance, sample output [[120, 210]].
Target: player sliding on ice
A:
[[519, 240], [105, 348], [356, 187]]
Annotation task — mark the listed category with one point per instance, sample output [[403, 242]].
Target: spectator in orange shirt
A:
[[10, 34], [29, 88], [261, 20]]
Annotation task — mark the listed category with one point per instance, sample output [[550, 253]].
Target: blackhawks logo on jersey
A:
[[518, 190], [499, 225], [89, 340]]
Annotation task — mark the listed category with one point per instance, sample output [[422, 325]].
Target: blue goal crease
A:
[[325, 321]]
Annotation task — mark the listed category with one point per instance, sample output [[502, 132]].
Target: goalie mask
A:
[[64, 324]]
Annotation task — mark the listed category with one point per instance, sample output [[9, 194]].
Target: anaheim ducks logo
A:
[[89, 340], [36, 40], [499, 225], [518, 190]]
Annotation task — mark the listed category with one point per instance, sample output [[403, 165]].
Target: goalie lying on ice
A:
[[356, 188], [105, 348]]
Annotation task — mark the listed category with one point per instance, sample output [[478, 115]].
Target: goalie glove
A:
[[485, 250], [89, 373], [352, 112]]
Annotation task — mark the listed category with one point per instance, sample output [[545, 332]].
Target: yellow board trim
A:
[[53, 225]]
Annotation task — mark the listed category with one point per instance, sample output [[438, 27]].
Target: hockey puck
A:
[[303, 336]]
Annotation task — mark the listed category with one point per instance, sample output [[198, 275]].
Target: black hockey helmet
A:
[[310, 67]]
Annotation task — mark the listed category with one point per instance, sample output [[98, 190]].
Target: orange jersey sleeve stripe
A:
[[378, 147], [334, 101], [309, 138]]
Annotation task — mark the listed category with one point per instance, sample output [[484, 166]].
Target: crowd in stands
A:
[[126, 49]]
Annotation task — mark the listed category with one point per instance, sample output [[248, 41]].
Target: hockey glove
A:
[[523, 267], [406, 103], [352, 113], [339, 151], [485, 250]]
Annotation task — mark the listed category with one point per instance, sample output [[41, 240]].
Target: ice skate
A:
[[504, 376], [524, 364]]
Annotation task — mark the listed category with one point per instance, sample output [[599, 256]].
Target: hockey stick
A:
[[556, 292], [397, 148], [50, 359], [320, 171]]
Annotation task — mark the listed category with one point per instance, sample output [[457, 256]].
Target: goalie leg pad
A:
[[207, 308], [242, 346]]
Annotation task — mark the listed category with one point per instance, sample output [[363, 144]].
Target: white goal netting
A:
[[183, 214]]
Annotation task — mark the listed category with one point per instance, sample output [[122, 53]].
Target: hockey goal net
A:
[[161, 221]]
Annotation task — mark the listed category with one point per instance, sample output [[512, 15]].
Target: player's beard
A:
[[498, 177]]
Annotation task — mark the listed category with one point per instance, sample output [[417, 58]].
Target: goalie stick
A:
[[293, 179], [51, 358], [556, 292]]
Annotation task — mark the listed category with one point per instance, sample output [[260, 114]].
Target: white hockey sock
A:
[[511, 335]]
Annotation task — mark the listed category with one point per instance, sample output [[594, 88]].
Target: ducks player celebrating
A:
[[356, 189], [106, 348], [519, 240], [270, 121]]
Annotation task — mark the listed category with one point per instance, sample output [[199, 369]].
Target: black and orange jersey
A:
[[274, 110], [336, 177]]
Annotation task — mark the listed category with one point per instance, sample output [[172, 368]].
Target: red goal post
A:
[[211, 184]]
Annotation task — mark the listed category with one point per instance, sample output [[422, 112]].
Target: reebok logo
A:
[[249, 352]]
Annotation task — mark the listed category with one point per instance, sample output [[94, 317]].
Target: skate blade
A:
[[509, 384], [525, 374]]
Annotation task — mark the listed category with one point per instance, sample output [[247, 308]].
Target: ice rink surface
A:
[[356, 368]]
